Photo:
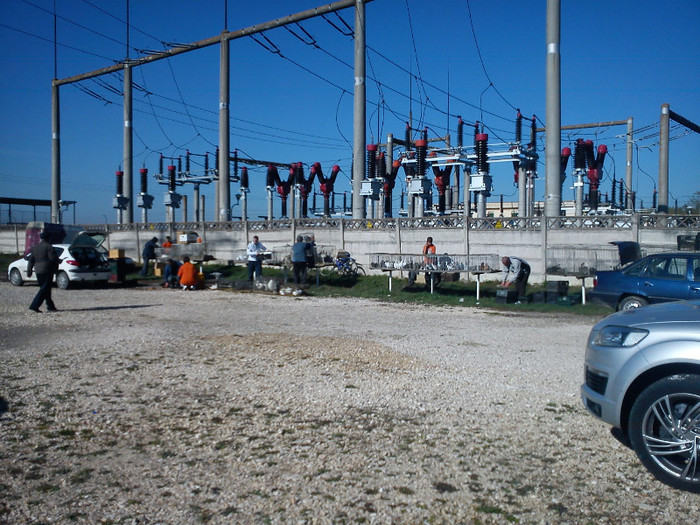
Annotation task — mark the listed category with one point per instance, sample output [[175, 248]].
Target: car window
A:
[[635, 269], [58, 251], [696, 269], [667, 268]]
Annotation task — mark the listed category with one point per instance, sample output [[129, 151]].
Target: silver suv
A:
[[642, 376]]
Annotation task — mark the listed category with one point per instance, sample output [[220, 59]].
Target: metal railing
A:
[[619, 222]]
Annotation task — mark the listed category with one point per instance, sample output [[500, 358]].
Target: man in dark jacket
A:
[[43, 261], [149, 252]]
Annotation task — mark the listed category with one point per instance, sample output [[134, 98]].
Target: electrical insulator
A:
[[482, 164], [533, 132], [171, 178], [244, 178], [518, 128], [160, 164], [579, 155], [460, 132], [187, 161], [600, 159], [425, 135], [590, 155], [422, 149], [372, 160], [476, 131], [565, 154], [144, 180], [120, 183], [271, 176], [408, 137]]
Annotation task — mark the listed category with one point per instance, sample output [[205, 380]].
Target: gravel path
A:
[[147, 405]]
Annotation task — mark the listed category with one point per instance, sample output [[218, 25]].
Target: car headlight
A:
[[618, 336]]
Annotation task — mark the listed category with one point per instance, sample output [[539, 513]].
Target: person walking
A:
[[44, 262], [299, 265], [149, 253], [254, 252], [516, 271]]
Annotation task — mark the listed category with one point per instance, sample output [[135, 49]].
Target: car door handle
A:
[[695, 288], [647, 283]]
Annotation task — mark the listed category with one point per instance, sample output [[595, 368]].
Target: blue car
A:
[[655, 278]]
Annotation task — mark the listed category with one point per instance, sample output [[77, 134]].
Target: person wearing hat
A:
[[149, 252], [43, 261]]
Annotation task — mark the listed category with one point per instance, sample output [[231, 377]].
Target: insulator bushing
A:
[[120, 183], [518, 128], [482, 164], [271, 176], [144, 180], [533, 132], [371, 161], [244, 178], [580, 155], [422, 150], [408, 137], [171, 178], [460, 132]]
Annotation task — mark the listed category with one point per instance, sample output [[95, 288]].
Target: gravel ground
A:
[[147, 405]]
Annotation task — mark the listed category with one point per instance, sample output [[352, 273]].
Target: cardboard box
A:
[[116, 253], [186, 237]]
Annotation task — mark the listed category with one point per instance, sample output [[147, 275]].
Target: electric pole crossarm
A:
[[280, 22]]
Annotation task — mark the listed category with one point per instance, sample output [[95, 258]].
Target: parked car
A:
[[655, 278], [642, 376], [79, 261]]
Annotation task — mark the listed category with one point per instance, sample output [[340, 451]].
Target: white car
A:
[[79, 261]]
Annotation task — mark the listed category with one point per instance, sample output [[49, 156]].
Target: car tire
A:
[[62, 281], [16, 277], [632, 301], [664, 430]]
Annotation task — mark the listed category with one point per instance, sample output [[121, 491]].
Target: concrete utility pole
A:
[[128, 217], [628, 168], [662, 205], [360, 113], [223, 184], [552, 201], [55, 154]]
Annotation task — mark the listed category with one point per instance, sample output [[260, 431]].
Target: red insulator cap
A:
[[371, 147], [602, 148], [143, 171], [482, 136], [566, 152], [420, 143], [120, 174], [335, 168], [171, 168]]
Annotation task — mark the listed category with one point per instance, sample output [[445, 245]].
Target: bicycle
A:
[[347, 266]]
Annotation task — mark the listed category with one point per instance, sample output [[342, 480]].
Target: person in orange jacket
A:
[[187, 274]]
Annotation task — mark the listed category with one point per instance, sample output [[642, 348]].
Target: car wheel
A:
[[632, 301], [16, 277], [664, 430], [62, 281]]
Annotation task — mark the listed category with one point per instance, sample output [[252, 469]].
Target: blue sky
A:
[[619, 59]]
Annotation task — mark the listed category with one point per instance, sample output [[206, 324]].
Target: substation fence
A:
[[611, 222]]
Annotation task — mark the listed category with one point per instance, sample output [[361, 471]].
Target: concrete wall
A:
[[527, 239]]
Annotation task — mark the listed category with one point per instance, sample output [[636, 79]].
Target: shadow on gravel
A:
[[99, 308], [4, 406]]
